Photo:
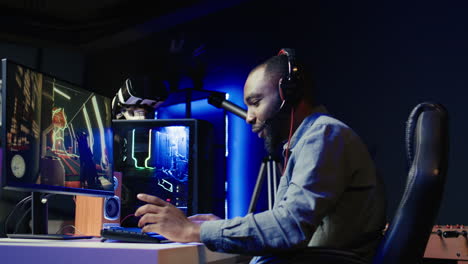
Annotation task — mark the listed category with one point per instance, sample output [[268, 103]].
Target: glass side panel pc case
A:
[[56, 137], [168, 158]]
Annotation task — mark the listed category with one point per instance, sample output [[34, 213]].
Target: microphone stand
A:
[[270, 169]]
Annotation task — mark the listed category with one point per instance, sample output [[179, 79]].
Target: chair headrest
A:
[[439, 111]]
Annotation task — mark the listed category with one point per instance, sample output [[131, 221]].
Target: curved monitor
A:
[[56, 137]]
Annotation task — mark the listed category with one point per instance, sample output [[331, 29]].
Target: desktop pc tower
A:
[[173, 159]]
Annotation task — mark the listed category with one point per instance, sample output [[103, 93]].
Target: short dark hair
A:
[[276, 67]]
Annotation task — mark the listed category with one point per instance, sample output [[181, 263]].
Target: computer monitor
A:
[[56, 137], [168, 158]]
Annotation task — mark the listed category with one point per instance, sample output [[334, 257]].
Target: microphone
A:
[[218, 101]]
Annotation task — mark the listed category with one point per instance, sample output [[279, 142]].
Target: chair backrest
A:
[[427, 145]]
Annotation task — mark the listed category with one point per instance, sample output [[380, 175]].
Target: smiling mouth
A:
[[259, 131]]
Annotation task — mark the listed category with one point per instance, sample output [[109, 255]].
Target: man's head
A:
[[266, 112]]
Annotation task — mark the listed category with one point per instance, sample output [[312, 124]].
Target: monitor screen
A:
[[56, 136], [161, 158]]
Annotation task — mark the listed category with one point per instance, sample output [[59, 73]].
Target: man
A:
[[328, 196]]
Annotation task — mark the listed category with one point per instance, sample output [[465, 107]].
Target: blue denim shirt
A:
[[328, 196]]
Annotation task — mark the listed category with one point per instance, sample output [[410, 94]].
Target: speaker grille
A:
[[112, 208]]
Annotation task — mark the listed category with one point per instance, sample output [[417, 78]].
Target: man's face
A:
[[263, 102]]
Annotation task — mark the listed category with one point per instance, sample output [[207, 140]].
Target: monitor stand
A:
[[39, 215]]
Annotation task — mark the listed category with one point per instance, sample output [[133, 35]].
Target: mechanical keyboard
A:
[[134, 235]]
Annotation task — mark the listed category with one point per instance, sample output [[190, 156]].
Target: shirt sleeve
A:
[[316, 174]]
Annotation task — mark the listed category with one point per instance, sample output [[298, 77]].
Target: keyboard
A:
[[132, 234]]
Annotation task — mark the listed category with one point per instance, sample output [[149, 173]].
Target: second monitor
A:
[[169, 158]]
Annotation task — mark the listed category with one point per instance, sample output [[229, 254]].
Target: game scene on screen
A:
[[56, 133]]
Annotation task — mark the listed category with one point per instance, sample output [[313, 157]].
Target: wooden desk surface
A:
[[40, 251]]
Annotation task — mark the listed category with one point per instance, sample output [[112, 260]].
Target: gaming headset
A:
[[289, 85]]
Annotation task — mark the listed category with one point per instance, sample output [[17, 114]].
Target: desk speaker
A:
[[94, 213]]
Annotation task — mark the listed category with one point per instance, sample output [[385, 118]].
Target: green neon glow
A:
[[56, 111], [149, 150], [133, 150], [56, 138], [58, 132]]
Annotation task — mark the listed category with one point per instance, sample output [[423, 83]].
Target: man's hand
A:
[[200, 218], [167, 220]]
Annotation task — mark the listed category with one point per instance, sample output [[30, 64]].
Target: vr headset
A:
[[140, 95]]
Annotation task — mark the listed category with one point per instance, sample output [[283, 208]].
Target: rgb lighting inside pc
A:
[[160, 155]]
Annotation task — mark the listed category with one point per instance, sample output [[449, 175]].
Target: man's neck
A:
[[301, 111]]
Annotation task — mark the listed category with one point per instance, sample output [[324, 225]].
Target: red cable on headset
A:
[[289, 140]]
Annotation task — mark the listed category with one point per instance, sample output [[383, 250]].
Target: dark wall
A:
[[373, 62]]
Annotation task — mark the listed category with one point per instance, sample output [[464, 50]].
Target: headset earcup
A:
[[287, 90], [288, 85]]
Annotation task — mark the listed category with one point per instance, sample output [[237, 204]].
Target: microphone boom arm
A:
[[220, 102]]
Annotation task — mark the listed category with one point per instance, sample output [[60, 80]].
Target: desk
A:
[[92, 251]]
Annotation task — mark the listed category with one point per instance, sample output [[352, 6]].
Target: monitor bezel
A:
[[4, 184]]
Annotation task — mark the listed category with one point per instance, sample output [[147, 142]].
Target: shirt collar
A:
[[306, 123]]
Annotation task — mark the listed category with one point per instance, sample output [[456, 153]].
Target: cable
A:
[[45, 196], [74, 228], [21, 219], [125, 218], [289, 140], [20, 203]]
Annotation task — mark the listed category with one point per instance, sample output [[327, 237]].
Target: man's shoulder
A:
[[327, 120], [321, 125], [320, 116], [329, 125]]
